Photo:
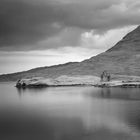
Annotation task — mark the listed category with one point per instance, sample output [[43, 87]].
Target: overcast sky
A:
[[37, 33]]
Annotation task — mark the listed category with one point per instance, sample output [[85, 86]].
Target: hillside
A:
[[121, 59]]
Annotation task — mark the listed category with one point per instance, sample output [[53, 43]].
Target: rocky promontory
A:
[[60, 81], [39, 82]]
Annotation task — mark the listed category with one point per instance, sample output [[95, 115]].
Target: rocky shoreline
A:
[[39, 82], [123, 84]]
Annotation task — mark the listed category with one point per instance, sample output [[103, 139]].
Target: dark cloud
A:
[[27, 22], [24, 23]]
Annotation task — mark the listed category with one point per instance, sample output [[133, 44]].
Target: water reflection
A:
[[21, 91], [105, 93], [71, 113], [31, 125], [115, 93]]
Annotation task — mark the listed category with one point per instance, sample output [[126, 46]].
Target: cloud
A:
[[42, 24], [102, 42], [23, 23]]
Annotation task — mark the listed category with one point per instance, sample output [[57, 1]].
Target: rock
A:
[[34, 82]]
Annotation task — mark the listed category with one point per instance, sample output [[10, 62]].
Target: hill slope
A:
[[122, 59]]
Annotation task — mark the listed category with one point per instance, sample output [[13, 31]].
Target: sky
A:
[[35, 33]]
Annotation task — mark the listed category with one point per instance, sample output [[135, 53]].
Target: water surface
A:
[[69, 113]]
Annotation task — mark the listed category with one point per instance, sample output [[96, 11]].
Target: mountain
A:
[[121, 59]]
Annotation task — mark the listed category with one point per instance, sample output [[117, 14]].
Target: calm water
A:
[[69, 113]]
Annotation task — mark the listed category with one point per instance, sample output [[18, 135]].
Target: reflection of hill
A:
[[29, 125], [19, 124]]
